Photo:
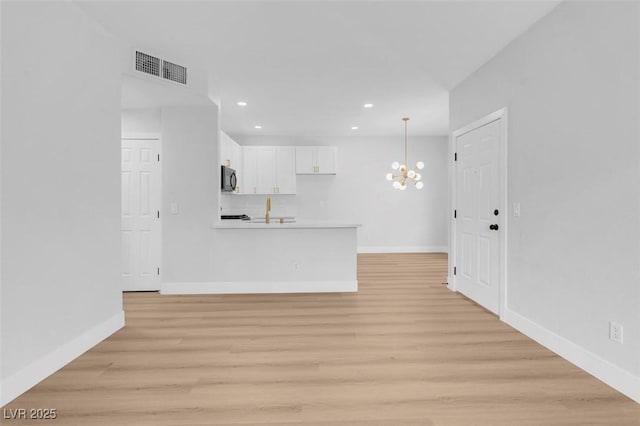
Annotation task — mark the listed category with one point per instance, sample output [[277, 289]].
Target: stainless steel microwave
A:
[[228, 179]]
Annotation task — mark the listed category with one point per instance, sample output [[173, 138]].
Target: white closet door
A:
[[141, 236]]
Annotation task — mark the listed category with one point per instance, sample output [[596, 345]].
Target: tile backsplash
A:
[[254, 205]]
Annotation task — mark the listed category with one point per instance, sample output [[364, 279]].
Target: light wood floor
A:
[[404, 350]]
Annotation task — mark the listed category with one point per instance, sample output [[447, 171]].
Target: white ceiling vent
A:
[[174, 72], [149, 64]]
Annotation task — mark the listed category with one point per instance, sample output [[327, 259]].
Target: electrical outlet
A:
[[615, 332]]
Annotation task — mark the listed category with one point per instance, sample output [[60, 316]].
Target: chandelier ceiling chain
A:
[[406, 174]]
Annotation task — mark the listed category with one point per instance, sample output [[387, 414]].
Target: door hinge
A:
[[158, 214], [158, 270], [455, 156], [455, 213], [455, 270]]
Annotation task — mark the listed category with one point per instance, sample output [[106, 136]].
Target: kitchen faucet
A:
[[268, 209]]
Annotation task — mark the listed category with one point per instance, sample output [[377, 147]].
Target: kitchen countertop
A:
[[275, 224]]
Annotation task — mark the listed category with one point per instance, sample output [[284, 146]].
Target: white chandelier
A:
[[413, 175]]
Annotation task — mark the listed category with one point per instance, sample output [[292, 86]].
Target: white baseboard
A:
[[403, 249], [23, 380], [621, 380], [258, 287]]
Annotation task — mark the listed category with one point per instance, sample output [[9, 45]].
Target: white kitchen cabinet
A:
[[249, 171], [305, 160], [231, 156], [236, 156], [269, 170], [230, 152], [326, 159], [286, 170], [224, 148], [316, 160]]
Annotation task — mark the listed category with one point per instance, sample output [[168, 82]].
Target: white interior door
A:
[[478, 222], [141, 236]]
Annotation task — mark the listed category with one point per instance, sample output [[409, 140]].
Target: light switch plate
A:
[[516, 209], [174, 208]]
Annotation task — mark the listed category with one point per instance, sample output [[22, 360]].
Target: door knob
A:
[[494, 227]]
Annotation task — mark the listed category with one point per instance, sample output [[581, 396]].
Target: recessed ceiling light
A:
[[242, 103], [354, 127], [257, 126], [368, 105]]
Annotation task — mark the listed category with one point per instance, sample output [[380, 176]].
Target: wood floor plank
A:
[[404, 350]]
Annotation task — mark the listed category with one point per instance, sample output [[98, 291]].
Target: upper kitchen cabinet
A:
[[286, 178], [230, 152], [316, 160], [269, 170], [249, 181]]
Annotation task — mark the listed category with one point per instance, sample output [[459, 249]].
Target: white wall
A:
[[413, 220], [60, 190], [190, 179], [571, 84], [141, 120]]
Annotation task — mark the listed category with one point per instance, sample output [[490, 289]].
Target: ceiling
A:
[[306, 68]]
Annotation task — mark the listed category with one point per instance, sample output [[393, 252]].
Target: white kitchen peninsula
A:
[[300, 257]]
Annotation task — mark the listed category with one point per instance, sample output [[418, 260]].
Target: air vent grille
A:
[[174, 72], [148, 64]]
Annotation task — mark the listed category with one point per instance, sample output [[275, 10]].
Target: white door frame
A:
[[153, 136], [502, 115]]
